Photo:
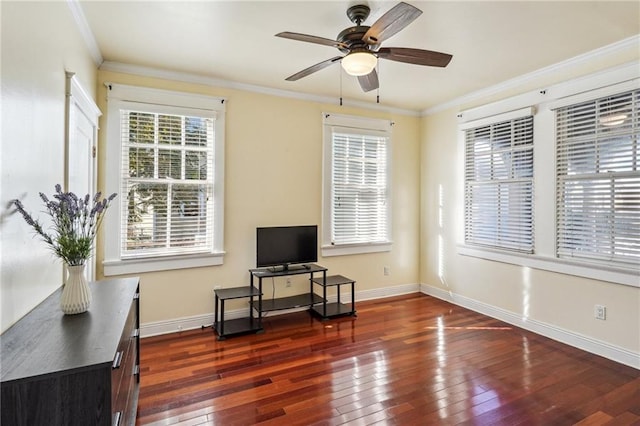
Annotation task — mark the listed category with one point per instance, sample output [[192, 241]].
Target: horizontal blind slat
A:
[[598, 180], [359, 188], [499, 185], [168, 178]]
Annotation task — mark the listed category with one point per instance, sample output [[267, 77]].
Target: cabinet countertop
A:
[[48, 342]]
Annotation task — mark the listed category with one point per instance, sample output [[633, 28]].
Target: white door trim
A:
[[78, 102]]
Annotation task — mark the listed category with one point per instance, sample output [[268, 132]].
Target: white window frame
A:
[[545, 100], [119, 97], [500, 239], [367, 126], [582, 182]]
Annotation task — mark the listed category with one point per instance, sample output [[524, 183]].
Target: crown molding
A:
[[599, 54], [210, 81], [85, 30]]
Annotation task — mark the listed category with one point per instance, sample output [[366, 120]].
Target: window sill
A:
[[347, 249], [597, 272], [165, 263]]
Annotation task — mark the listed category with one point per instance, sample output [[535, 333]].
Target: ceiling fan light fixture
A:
[[359, 63]]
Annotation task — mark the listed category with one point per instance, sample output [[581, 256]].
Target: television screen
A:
[[285, 245]]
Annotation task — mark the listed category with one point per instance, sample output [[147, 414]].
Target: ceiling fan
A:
[[361, 45]]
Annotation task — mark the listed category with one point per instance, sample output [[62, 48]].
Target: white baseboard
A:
[[589, 344], [175, 325], [379, 293], [190, 323]]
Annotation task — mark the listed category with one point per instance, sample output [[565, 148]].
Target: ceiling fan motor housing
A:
[[352, 37]]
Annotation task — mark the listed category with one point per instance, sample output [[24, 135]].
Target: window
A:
[[498, 183], [583, 194], [598, 180], [167, 176], [356, 191], [167, 148]]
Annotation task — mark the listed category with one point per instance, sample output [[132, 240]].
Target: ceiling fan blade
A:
[[369, 82], [313, 68], [312, 39], [415, 56], [391, 22]]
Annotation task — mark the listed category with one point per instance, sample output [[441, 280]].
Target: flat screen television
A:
[[281, 246]]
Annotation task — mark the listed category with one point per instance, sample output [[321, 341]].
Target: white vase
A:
[[76, 294]]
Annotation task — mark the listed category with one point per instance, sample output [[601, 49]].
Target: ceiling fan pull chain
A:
[[378, 89], [340, 86]]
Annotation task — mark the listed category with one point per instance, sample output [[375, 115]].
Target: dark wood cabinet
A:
[[74, 369]]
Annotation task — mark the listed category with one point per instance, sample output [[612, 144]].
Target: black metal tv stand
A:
[[317, 304], [297, 301]]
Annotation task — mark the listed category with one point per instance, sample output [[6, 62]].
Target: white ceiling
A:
[[491, 42]]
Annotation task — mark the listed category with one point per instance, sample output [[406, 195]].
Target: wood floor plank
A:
[[409, 360]]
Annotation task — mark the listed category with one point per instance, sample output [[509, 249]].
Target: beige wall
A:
[[563, 302], [273, 176], [40, 41]]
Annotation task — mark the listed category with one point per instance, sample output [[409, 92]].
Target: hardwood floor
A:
[[411, 360]]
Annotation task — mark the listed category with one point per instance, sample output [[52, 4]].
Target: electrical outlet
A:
[[386, 270], [288, 282], [600, 312]]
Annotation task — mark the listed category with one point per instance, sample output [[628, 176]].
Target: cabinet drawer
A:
[[122, 371], [129, 381]]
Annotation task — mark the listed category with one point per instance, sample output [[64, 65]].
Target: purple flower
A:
[[74, 223]]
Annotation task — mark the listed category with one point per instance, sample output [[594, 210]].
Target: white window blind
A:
[[359, 211], [598, 180], [167, 176], [499, 185]]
